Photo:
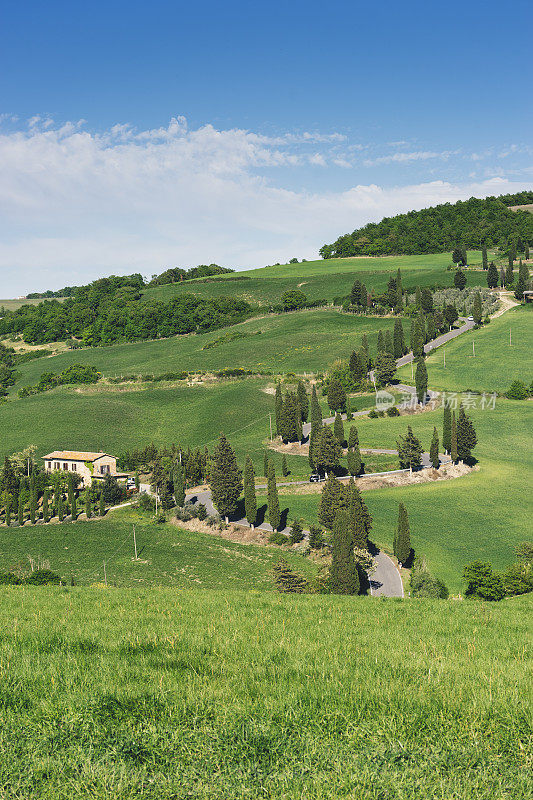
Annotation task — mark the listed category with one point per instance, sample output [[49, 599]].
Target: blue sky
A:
[[136, 135]]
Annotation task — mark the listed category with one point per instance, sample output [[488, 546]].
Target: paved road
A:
[[440, 340], [386, 580]]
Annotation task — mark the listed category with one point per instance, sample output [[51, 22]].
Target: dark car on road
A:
[[315, 477]]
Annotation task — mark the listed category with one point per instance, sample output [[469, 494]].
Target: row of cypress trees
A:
[[52, 505], [458, 435]]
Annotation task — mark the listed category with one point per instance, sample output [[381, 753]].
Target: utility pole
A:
[[444, 351], [473, 348], [105, 575], [135, 544], [510, 337]]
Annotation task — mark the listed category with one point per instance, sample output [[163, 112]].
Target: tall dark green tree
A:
[[33, 507], [389, 347], [366, 350], [431, 327], [399, 288], [421, 380], [338, 429], [21, 508], [332, 498], [362, 520], [418, 298], [274, 516], [74, 508], [492, 276], [291, 421], [402, 537], [466, 435], [284, 467], [523, 272], [179, 485], [398, 339], [9, 481], [225, 478], [88, 504], [459, 279], [519, 288], [502, 277], [329, 451], [278, 401], [9, 505], [381, 342], [453, 439], [409, 450], [343, 571], [384, 369], [303, 401], [357, 367], [250, 500], [60, 507], [354, 453], [434, 450], [477, 311], [418, 338], [336, 395], [509, 274], [46, 500]]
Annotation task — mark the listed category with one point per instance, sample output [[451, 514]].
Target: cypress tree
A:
[[523, 272], [510, 259], [399, 290], [274, 516], [502, 277], [332, 499], [303, 401], [338, 429], [366, 350], [447, 428], [9, 501], [526, 252], [484, 257], [70, 493], [316, 413], [101, 503], [33, 507], [459, 279], [520, 288], [409, 450], [291, 424], [381, 342], [314, 440], [46, 511], [21, 505], [492, 276], [434, 450], [418, 298], [402, 538], [362, 520], [356, 294], [296, 533], [389, 347], [477, 312], [509, 274], [9, 482], [284, 467], [88, 504], [357, 367], [60, 507], [466, 435], [417, 338], [421, 381], [278, 401], [74, 508], [354, 453], [225, 478], [179, 485], [343, 571], [398, 339], [453, 440], [431, 327], [328, 452], [250, 500], [336, 395], [316, 537]]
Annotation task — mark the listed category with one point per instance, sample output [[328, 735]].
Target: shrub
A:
[[518, 579], [8, 578], [482, 582], [41, 577], [278, 538], [393, 412], [161, 517], [423, 584], [316, 537], [517, 391], [146, 502], [201, 511], [213, 520], [373, 414], [296, 533]]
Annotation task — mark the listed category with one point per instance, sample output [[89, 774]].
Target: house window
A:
[[49, 465], [104, 469], [74, 468], [65, 466], [57, 465]]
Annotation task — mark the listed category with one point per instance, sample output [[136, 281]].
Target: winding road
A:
[[385, 581]]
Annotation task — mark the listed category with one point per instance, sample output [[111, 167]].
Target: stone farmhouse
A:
[[91, 466]]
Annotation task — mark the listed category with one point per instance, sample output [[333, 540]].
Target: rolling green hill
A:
[[223, 694], [297, 341], [323, 279]]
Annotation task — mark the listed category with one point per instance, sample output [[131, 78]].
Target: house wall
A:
[[108, 463]]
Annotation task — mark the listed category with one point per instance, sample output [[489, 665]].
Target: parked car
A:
[[315, 477], [470, 319]]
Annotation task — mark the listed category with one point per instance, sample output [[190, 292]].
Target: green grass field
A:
[[161, 693], [496, 363], [321, 279], [301, 341], [168, 555]]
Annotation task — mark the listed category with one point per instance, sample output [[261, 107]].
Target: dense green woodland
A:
[[471, 223]]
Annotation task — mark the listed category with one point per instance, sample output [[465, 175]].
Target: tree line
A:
[[473, 222]]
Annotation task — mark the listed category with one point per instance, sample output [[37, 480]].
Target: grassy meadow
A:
[[300, 341], [224, 694], [168, 555], [320, 279], [496, 363]]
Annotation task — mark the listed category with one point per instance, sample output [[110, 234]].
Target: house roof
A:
[[75, 455]]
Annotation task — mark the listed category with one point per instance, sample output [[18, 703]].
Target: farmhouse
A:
[[91, 466]]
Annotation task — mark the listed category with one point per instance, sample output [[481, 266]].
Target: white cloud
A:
[[405, 158], [76, 205]]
